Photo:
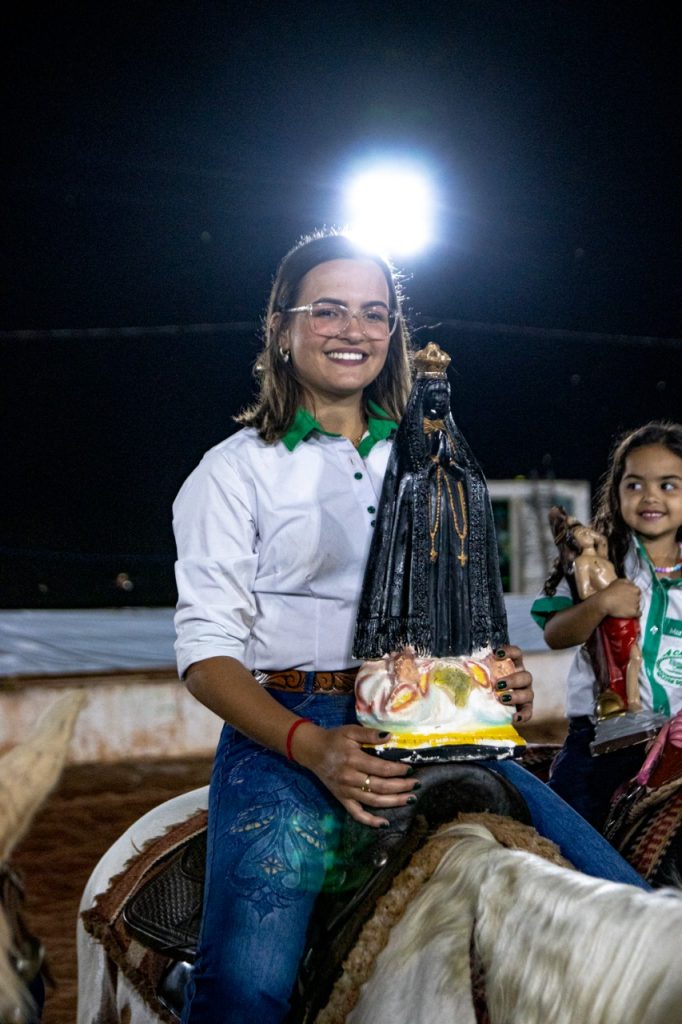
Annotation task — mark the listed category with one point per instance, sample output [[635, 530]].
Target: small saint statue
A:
[[613, 647]]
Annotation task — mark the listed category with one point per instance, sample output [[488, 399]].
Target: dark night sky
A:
[[161, 157]]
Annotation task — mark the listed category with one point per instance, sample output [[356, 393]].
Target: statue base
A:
[[625, 730], [491, 744]]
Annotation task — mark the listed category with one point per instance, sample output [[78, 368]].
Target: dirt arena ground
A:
[[91, 807]]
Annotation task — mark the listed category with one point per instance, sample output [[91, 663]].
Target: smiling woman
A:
[[336, 353], [334, 307], [272, 530]]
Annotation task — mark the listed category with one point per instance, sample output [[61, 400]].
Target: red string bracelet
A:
[[290, 736]]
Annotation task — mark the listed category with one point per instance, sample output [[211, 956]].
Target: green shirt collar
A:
[[304, 424]]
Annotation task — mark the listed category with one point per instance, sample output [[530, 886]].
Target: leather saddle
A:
[[164, 913]]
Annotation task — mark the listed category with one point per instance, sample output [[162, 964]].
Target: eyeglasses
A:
[[330, 319]]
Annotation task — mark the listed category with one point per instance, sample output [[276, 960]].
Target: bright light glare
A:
[[390, 209]]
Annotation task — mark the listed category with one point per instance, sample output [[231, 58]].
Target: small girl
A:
[[639, 512]]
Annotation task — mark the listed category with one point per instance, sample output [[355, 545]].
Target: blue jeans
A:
[[272, 831], [556, 820], [587, 783]]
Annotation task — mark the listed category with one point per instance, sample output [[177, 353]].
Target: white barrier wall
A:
[[151, 715], [137, 708]]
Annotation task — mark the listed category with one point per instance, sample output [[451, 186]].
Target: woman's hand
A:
[[353, 775], [516, 690]]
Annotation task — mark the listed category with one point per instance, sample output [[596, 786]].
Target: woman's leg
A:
[[556, 820], [272, 828]]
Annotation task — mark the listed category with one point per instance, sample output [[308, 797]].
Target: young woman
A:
[[273, 530]]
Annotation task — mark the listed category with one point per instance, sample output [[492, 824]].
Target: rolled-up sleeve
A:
[[215, 534], [544, 607]]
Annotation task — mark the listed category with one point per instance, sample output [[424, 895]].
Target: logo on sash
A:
[[669, 668]]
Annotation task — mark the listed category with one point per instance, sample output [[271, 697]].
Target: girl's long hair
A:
[[279, 392], [608, 519]]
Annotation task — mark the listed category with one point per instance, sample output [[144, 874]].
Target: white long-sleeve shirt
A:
[[272, 540]]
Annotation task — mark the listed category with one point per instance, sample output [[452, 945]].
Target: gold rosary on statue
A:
[[461, 528]]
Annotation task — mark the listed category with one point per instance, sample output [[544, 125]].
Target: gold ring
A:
[[365, 787]]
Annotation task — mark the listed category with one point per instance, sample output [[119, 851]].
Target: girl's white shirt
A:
[[271, 548]]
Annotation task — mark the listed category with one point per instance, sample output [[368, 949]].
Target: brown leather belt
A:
[[293, 681]]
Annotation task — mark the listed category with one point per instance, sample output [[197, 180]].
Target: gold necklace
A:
[[355, 441], [434, 520]]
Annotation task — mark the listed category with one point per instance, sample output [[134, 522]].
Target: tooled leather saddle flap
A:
[[164, 912]]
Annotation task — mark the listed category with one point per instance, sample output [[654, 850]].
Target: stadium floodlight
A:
[[390, 208]]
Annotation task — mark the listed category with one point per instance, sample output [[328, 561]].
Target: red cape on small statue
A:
[[613, 647]]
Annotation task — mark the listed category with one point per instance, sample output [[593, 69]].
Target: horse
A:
[[28, 773], [553, 944], [126, 974], [132, 964]]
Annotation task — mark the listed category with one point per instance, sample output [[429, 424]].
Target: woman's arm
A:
[[575, 625], [336, 756]]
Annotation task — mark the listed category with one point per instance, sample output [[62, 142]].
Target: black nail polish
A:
[[384, 735], [500, 653], [384, 824], [410, 770], [417, 785], [501, 684], [411, 799], [506, 697]]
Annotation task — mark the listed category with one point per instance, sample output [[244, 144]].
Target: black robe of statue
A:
[[451, 604]]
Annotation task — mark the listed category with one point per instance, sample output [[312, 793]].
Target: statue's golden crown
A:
[[431, 361]]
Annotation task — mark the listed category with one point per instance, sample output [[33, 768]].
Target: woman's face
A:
[[341, 367]]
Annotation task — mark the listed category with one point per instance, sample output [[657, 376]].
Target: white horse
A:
[[552, 944], [105, 995], [28, 772]]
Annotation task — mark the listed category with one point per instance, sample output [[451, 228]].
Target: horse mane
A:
[[30, 770], [383, 925], [553, 943]]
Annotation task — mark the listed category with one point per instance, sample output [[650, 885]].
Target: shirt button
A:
[[358, 476], [373, 523], [654, 630], [371, 508]]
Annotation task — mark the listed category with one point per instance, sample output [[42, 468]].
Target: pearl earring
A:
[[284, 352]]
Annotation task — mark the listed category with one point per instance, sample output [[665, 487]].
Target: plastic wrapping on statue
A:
[[613, 647], [432, 608]]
